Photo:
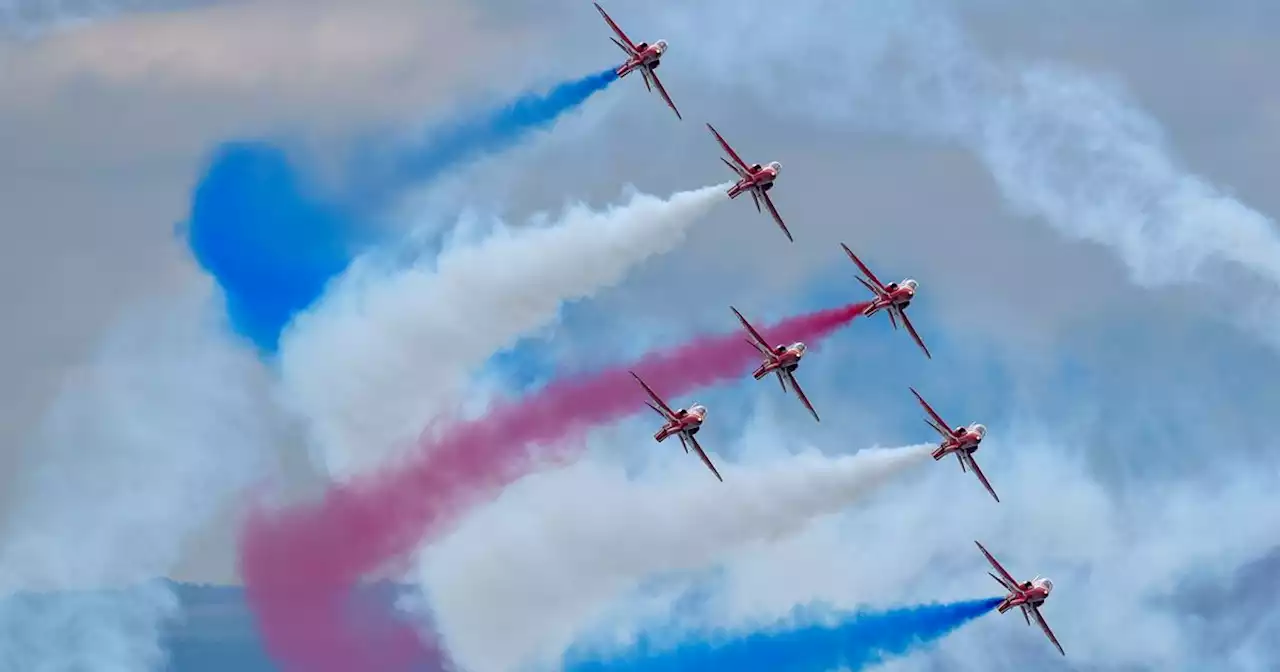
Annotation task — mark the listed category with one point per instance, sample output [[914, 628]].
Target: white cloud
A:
[[144, 443], [342, 54], [34, 18]]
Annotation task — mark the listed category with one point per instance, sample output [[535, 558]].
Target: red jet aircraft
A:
[[781, 360], [754, 178], [1029, 595], [894, 298], [683, 423], [963, 441], [644, 57]]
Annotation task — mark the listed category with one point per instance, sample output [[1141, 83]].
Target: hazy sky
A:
[[965, 143]]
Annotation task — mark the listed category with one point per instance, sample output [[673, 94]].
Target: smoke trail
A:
[[273, 241], [298, 563], [268, 237], [387, 171], [141, 447], [491, 579], [845, 641], [475, 301]]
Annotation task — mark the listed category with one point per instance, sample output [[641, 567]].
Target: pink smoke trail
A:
[[300, 564]]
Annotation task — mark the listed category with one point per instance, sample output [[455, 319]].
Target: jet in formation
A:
[[780, 360], [1028, 596], [645, 57], [683, 423]]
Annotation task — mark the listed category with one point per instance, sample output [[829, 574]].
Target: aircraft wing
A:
[[1035, 613], [756, 339], [630, 46], [874, 290], [776, 217], [912, 330], [937, 422], [742, 174], [705, 460], [795, 386], [879, 286], [1003, 577], [662, 91], [729, 150], [973, 465], [658, 404]]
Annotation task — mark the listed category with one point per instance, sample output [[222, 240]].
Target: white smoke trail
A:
[[522, 576], [369, 365], [1063, 146], [143, 445]]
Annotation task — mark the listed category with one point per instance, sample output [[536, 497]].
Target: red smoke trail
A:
[[299, 565]]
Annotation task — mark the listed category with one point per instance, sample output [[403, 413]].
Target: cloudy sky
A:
[[1082, 191]]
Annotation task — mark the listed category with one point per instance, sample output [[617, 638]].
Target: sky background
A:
[[1039, 167]]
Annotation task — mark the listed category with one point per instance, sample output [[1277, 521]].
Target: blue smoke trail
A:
[[469, 138], [272, 241], [855, 641]]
